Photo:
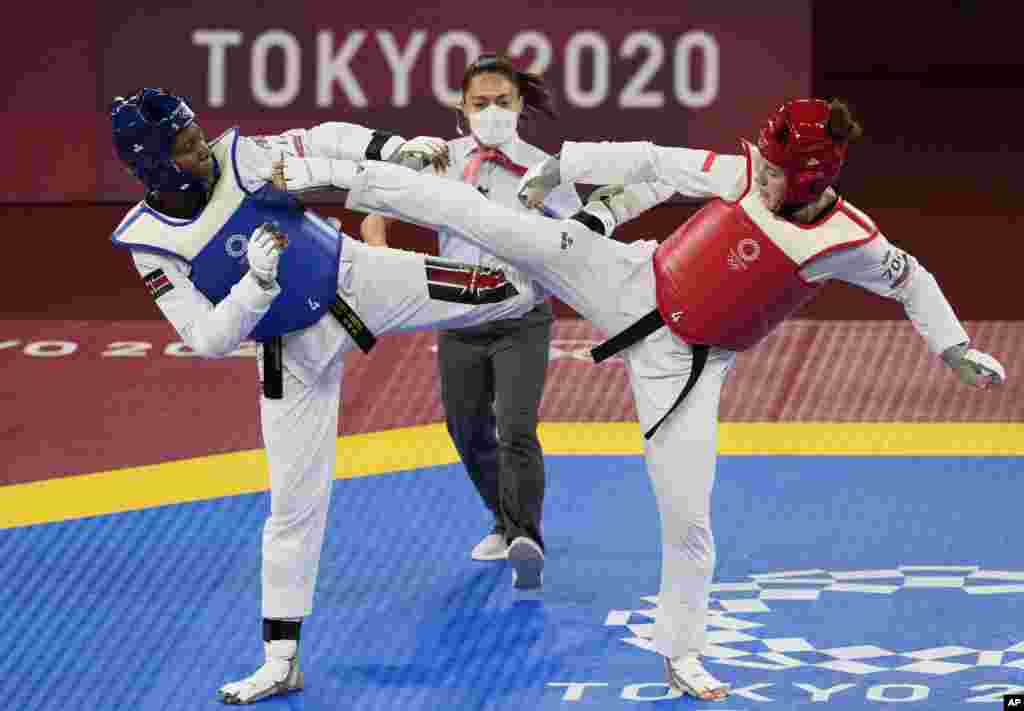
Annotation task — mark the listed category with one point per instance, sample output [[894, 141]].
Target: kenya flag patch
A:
[[157, 283]]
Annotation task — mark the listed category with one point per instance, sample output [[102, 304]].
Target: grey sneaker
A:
[[491, 547], [527, 561], [279, 675]]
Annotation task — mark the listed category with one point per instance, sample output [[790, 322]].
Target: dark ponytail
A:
[[537, 96], [841, 124]]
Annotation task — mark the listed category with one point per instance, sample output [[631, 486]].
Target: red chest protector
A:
[[721, 281], [731, 273]]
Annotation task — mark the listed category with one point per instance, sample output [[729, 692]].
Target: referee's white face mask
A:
[[494, 125]]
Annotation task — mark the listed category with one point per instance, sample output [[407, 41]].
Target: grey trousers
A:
[[492, 381]]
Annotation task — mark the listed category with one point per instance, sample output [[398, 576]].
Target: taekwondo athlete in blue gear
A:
[[212, 241], [228, 257]]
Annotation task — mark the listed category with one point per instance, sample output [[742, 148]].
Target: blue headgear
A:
[[144, 128]]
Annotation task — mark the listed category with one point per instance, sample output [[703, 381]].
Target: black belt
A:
[[273, 360], [637, 332], [700, 359], [273, 369], [351, 322], [631, 335]]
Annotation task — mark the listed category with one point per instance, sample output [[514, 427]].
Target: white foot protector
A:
[[279, 675], [688, 675]]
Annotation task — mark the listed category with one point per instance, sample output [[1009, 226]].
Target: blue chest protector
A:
[[307, 273], [215, 245]]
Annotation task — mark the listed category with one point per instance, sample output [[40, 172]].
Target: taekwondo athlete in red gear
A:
[[791, 217], [227, 257]]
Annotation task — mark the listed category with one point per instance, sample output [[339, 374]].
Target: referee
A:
[[493, 375]]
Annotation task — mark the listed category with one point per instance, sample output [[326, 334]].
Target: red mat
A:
[[85, 396]]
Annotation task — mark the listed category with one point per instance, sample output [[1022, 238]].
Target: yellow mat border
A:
[[215, 476]]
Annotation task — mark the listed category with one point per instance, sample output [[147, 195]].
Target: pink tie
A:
[[472, 171]]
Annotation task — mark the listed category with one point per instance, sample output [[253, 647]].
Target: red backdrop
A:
[[681, 74]]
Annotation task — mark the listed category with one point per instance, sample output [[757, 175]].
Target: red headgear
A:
[[796, 139]]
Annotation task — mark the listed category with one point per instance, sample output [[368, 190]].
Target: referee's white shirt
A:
[[499, 184]]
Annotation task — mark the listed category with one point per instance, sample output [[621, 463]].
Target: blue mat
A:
[[876, 580]]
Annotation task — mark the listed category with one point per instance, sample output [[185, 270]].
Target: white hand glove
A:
[[974, 367], [264, 252], [422, 151], [538, 182]]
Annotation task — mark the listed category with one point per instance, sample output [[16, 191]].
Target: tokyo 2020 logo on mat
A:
[[936, 636]]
